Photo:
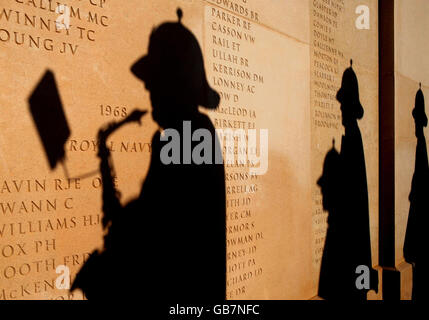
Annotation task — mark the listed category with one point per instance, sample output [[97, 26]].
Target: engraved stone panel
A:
[[411, 75], [277, 66]]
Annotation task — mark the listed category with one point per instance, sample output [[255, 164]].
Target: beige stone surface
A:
[[279, 208], [406, 271], [346, 42], [411, 66], [286, 17], [92, 71], [97, 74], [410, 41]]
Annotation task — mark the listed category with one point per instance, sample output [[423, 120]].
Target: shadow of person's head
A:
[[348, 96], [173, 72], [419, 114], [329, 181]]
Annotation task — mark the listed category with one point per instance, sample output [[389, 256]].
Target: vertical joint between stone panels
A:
[[390, 275]]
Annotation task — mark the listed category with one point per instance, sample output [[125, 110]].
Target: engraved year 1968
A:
[[115, 111]]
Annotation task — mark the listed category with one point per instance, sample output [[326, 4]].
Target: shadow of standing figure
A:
[[349, 229], [170, 242], [415, 246], [331, 267]]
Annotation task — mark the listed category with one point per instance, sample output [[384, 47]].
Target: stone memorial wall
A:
[[277, 65], [411, 75]]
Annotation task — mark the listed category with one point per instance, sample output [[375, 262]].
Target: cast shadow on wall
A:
[[49, 118], [170, 242], [345, 197], [415, 246]]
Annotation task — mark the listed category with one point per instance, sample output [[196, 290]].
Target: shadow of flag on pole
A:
[[48, 115]]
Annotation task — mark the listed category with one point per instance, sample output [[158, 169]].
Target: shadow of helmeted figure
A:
[[415, 247], [348, 238], [170, 242]]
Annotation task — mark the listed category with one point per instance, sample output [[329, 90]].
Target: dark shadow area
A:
[[50, 120], [345, 197], [415, 245], [331, 267], [48, 115], [170, 242]]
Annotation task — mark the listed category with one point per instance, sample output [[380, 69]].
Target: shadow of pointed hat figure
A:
[[348, 96], [415, 246], [184, 202], [352, 224]]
